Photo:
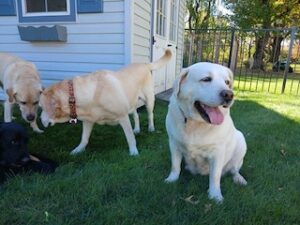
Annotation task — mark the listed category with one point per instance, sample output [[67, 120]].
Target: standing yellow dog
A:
[[21, 83], [103, 97]]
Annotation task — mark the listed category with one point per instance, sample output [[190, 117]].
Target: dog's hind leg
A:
[[7, 111], [126, 125], [87, 128], [136, 119], [149, 95]]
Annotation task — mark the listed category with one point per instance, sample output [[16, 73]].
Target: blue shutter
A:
[[7, 8], [89, 6]]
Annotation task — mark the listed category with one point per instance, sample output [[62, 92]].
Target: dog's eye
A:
[[227, 82], [206, 79], [23, 103], [35, 103]]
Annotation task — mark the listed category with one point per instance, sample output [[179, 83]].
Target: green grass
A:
[[104, 185], [268, 83]]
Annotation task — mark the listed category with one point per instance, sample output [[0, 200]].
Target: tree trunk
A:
[[276, 48], [259, 54]]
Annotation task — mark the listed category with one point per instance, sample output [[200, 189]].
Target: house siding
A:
[[180, 40], [142, 11], [107, 40], [95, 41]]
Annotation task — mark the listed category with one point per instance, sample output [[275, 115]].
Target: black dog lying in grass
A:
[[14, 156]]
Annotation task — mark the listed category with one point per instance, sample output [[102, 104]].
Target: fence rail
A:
[[262, 59]]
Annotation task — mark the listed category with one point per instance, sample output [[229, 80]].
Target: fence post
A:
[[287, 65], [190, 60], [231, 47]]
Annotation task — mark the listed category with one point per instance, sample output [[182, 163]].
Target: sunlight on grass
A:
[[267, 83], [284, 104]]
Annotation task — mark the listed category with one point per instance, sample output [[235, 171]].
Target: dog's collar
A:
[[72, 103]]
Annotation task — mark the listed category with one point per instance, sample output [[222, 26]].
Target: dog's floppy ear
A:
[[11, 95], [56, 107], [180, 80]]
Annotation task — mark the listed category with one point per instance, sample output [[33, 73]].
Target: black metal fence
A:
[[261, 59]]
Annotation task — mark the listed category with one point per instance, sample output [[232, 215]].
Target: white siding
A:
[[95, 41], [141, 31], [180, 41]]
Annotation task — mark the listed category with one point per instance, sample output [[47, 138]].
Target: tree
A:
[[286, 14], [203, 15], [265, 14], [199, 13]]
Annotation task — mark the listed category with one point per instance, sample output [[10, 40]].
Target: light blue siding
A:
[[95, 42], [180, 32], [142, 31]]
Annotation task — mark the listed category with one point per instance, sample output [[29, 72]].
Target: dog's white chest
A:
[[197, 155], [197, 148]]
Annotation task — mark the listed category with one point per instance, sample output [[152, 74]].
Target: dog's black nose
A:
[[30, 117], [227, 95]]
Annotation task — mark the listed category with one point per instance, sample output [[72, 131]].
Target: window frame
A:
[[69, 15], [173, 23], [161, 18]]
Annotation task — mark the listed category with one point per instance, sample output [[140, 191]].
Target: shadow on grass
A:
[[104, 185]]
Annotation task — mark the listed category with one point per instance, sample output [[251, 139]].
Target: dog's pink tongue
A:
[[215, 115]]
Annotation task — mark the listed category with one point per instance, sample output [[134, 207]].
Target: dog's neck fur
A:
[[181, 111]]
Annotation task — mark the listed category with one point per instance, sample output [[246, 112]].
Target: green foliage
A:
[[265, 13], [104, 185], [202, 14]]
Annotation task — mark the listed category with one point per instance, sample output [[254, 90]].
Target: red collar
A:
[[72, 103]]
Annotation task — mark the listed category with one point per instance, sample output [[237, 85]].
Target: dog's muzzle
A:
[[227, 97], [213, 114], [30, 117]]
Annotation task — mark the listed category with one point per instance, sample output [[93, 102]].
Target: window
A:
[[161, 17], [46, 10], [42, 6]]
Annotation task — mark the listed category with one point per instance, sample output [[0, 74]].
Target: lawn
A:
[[268, 82], [104, 185]]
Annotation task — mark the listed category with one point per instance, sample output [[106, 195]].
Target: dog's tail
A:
[[162, 61]]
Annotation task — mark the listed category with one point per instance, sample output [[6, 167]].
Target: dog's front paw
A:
[[76, 151], [35, 127], [133, 151], [216, 196], [172, 177], [37, 130], [136, 130], [151, 129]]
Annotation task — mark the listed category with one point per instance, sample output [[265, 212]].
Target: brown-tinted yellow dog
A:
[[21, 83], [104, 97]]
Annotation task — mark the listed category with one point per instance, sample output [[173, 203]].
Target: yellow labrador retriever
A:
[[103, 97], [200, 127], [21, 83]]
